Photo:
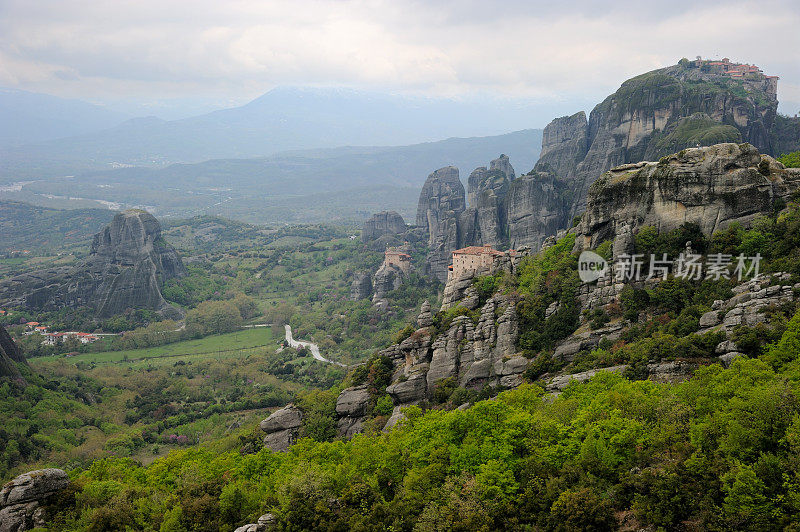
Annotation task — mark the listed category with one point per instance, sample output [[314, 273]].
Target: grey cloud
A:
[[543, 50]]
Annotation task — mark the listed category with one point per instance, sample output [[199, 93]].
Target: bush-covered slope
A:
[[719, 451]]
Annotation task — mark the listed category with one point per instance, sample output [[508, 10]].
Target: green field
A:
[[211, 346]]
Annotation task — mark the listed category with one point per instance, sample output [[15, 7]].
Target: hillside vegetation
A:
[[716, 452]]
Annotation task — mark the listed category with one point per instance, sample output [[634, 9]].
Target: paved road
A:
[[311, 347]]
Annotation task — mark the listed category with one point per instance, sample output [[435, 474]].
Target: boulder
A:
[[22, 499], [728, 358], [282, 427], [353, 402], [265, 523], [412, 390], [396, 417], [561, 382]]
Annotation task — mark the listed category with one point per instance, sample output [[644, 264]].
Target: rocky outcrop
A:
[[10, 356], [460, 290], [487, 189], [712, 187], [425, 318], [265, 523], [473, 354], [503, 209], [562, 381], [282, 427], [361, 287], [386, 279], [746, 306], [351, 407], [441, 202], [127, 265], [382, 223], [564, 145], [22, 500], [646, 118], [538, 207]]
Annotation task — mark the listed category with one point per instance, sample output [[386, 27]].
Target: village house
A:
[[59, 337], [474, 259]]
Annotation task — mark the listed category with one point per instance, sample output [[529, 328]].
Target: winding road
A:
[[314, 348]]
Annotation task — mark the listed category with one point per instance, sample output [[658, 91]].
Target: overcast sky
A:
[[232, 51]]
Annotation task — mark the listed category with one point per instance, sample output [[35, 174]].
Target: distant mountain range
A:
[[339, 185], [280, 120]]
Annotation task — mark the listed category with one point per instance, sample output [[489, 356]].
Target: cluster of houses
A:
[[741, 71], [55, 338]]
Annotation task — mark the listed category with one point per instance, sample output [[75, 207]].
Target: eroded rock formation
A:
[[381, 224], [655, 114], [127, 265], [441, 202], [22, 500], [282, 427], [712, 187]]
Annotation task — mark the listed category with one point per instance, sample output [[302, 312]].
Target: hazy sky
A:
[[232, 51]]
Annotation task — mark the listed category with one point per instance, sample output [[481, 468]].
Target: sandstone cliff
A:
[[441, 202], [645, 118], [564, 145], [126, 267], [712, 187], [487, 190], [537, 207]]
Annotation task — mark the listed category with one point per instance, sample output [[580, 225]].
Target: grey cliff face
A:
[[712, 187], [361, 287], [642, 120], [487, 193], [449, 224], [441, 193], [22, 500], [564, 145], [383, 223], [127, 265], [504, 211], [537, 206], [386, 279], [441, 202]]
